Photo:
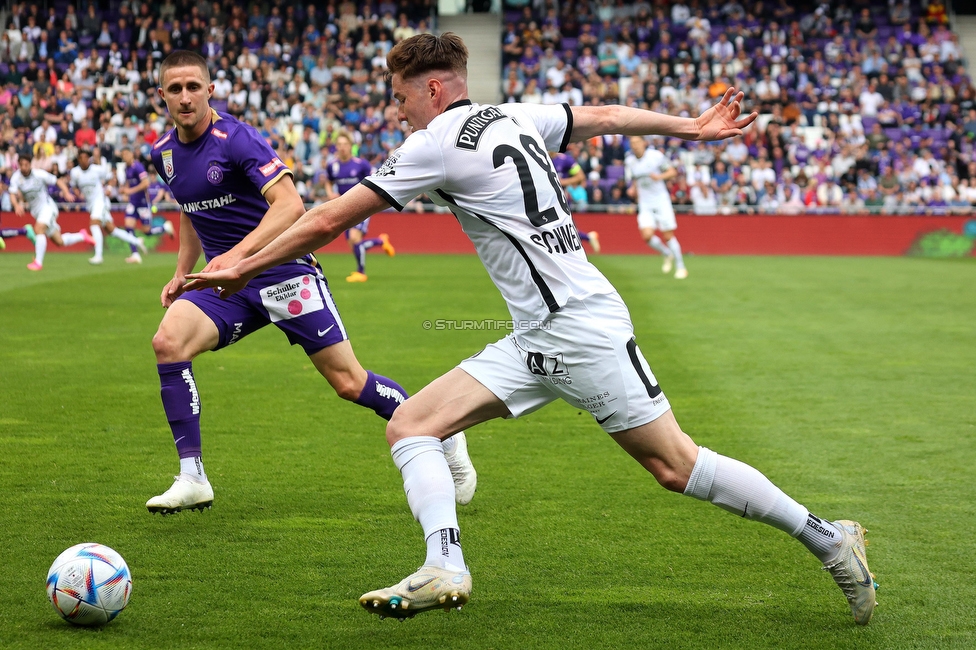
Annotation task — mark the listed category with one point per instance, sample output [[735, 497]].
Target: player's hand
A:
[[224, 261], [722, 120], [226, 282], [173, 290], [19, 210]]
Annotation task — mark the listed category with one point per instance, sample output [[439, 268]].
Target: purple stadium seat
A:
[[22, 67], [568, 43], [614, 172], [219, 105]]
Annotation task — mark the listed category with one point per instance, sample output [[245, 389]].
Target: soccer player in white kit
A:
[[90, 180], [28, 191], [648, 169], [573, 337]]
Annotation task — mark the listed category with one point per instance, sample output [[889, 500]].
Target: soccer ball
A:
[[89, 584]]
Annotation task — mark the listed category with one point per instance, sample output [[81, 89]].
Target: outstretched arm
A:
[[315, 229], [718, 122]]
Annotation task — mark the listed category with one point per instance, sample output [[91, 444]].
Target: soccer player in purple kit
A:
[[236, 196], [570, 174], [137, 212], [343, 174]]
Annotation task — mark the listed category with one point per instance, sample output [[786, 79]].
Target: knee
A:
[[400, 426], [167, 346], [346, 386], [670, 478]]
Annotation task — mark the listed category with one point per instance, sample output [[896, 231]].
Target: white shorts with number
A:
[[47, 215], [586, 355], [659, 215]]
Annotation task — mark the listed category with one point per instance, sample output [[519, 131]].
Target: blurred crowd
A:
[[299, 72], [865, 106]]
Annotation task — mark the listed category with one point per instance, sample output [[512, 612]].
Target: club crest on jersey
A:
[[215, 174], [168, 168], [474, 127]]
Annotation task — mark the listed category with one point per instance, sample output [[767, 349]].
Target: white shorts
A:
[[47, 215], [659, 215], [586, 355], [101, 214]]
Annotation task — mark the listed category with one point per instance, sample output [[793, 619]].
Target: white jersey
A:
[[490, 166], [34, 189], [91, 182], [640, 170]]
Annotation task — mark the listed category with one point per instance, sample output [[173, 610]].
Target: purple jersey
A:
[[135, 174], [346, 175], [565, 165], [220, 179]]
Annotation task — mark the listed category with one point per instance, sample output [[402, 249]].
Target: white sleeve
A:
[[628, 168], [73, 176], [554, 122], [15, 182], [413, 169], [47, 177]]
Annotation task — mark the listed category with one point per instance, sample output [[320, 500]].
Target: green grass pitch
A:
[[848, 381]]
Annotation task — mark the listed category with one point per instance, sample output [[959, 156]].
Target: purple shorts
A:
[[361, 227], [143, 213], [293, 296]]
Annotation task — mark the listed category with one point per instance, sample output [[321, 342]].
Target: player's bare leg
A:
[[672, 244], [449, 404], [184, 333], [647, 234], [340, 367], [678, 464]]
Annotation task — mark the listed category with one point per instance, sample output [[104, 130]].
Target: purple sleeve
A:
[[256, 158], [365, 169], [136, 171]]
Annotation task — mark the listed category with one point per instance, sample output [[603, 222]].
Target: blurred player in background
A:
[[236, 195], [343, 174], [572, 175], [29, 192], [648, 170], [138, 213], [8, 233], [90, 180]]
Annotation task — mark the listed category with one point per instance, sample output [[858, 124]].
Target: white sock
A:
[[71, 238], [40, 247], [450, 444], [125, 236], [96, 232], [675, 247], [444, 550], [193, 467], [429, 487], [821, 537], [743, 490], [659, 246]]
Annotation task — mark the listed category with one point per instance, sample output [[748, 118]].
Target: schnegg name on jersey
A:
[[191, 207], [561, 239]]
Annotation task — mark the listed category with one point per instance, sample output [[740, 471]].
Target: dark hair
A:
[[25, 156], [182, 59], [425, 53]]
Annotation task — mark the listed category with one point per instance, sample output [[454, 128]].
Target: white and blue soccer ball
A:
[[89, 584]]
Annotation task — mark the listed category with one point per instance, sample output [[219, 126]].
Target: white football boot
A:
[[185, 494], [429, 588], [851, 573], [462, 470]]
